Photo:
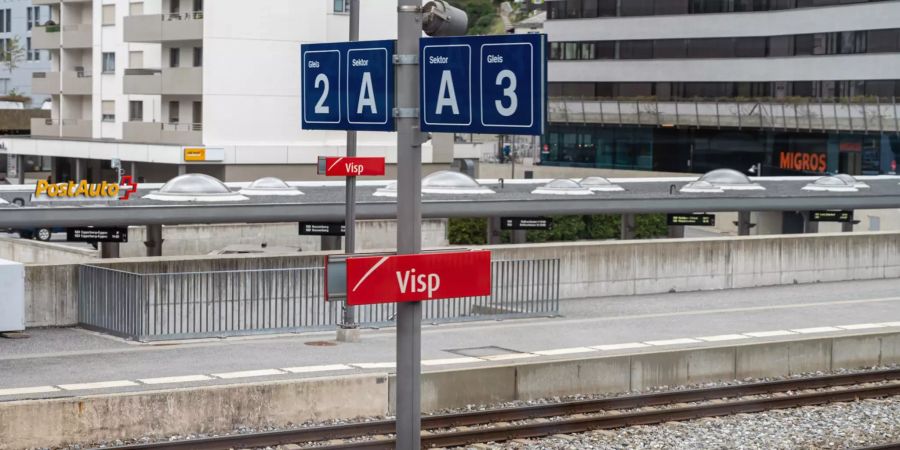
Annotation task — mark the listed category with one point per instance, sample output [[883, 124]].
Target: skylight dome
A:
[[851, 180], [270, 186], [562, 186], [195, 187], [701, 187], [600, 184], [445, 182], [730, 179], [831, 184]]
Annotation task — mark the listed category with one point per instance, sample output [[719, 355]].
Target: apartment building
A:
[[147, 81], [18, 18], [694, 85]]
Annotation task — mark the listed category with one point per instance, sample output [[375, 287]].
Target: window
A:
[[342, 6], [198, 56], [198, 5], [136, 111], [174, 6], [29, 54], [174, 57], [636, 49], [669, 48], [136, 8], [173, 112], [109, 15], [637, 8], [109, 110], [754, 47], [34, 16], [109, 62], [197, 112], [5, 20]]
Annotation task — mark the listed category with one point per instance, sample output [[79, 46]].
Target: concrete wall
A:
[[587, 269], [59, 422], [597, 269], [36, 252], [204, 239], [642, 371], [495, 170]]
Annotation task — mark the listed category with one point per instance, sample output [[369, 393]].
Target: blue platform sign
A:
[[347, 86], [483, 84]]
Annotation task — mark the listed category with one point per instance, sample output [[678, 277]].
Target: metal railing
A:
[[161, 306], [180, 126], [810, 115]]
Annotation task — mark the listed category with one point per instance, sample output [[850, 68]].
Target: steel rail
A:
[[384, 427]]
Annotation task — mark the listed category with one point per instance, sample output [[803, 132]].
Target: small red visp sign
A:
[[345, 166], [412, 278]]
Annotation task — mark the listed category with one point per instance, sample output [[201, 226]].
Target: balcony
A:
[[46, 37], [45, 82], [163, 133], [77, 82], [77, 36], [159, 28], [45, 2], [76, 128], [44, 127], [143, 81]]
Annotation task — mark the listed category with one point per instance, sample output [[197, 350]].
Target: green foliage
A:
[[467, 231], [13, 55], [565, 229], [482, 14]]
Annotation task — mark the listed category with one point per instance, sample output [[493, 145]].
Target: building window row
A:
[[886, 89], [586, 9], [33, 16], [5, 20], [836, 43]]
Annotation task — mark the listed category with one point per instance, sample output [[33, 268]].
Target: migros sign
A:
[[83, 189], [800, 161]]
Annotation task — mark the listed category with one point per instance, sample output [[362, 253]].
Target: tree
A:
[[13, 54]]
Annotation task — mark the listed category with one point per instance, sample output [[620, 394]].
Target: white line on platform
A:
[[626, 346], [172, 380], [673, 342], [311, 369], [890, 324], [248, 374], [508, 356], [815, 330], [565, 351], [28, 390], [861, 326], [723, 337], [100, 385], [760, 334], [379, 365], [450, 361]]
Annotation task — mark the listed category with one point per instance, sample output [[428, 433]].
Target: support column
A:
[[676, 231], [331, 242], [20, 169], [109, 250], [182, 169], [744, 224], [809, 227], [519, 236], [494, 233], [133, 172], [154, 240], [847, 227], [627, 228], [79, 169]]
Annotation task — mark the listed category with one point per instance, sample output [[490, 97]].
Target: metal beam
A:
[[70, 216]]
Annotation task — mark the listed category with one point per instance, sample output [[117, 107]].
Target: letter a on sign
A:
[[412, 278], [447, 95]]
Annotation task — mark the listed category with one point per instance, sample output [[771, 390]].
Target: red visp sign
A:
[[412, 278], [345, 166]]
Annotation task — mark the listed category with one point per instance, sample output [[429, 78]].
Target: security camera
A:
[[439, 18]]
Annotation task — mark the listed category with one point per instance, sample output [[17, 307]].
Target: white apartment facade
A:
[[17, 20], [142, 81], [693, 85]]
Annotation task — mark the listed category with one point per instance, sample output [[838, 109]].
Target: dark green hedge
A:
[[565, 228]]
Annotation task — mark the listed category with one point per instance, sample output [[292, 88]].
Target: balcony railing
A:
[[163, 133], [159, 28], [46, 37], [45, 82], [45, 127], [811, 115], [77, 82], [77, 36]]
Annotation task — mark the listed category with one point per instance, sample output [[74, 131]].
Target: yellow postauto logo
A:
[[83, 189]]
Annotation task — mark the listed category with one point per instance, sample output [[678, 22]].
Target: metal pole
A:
[[154, 240], [350, 238], [20, 169], [744, 223], [409, 230]]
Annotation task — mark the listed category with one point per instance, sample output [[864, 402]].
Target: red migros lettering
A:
[[409, 282], [800, 161], [354, 168]]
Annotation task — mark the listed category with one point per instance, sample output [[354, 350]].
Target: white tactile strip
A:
[[260, 373]]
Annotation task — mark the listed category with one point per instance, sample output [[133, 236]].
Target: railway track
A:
[[568, 417]]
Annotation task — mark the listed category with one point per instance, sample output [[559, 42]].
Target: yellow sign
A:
[[194, 154]]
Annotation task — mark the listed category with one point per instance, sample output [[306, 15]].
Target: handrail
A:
[[142, 71]]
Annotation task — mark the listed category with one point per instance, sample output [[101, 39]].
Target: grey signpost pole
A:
[[350, 236], [409, 220]]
